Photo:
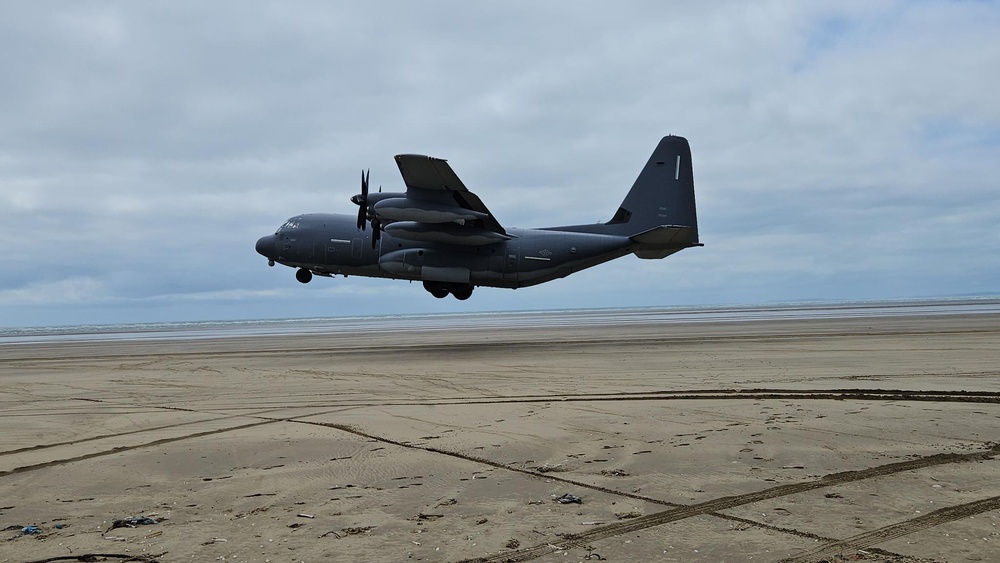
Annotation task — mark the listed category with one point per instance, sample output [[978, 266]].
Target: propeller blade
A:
[[362, 200], [376, 231]]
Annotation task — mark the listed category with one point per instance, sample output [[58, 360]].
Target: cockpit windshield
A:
[[292, 223]]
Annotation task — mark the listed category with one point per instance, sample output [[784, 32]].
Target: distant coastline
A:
[[485, 320]]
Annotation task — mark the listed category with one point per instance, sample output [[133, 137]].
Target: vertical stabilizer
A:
[[658, 214], [662, 195]]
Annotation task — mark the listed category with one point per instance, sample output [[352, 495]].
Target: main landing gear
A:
[[460, 291], [303, 275]]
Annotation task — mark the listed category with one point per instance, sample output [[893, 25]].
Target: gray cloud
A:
[[842, 150]]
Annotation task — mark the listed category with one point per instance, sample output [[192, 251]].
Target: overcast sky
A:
[[842, 150]]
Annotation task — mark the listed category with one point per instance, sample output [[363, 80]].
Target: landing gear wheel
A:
[[303, 275], [462, 292], [436, 289]]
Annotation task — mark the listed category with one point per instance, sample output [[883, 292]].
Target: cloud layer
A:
[[842, 150]]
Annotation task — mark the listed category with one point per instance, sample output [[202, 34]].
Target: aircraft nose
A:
[[266, 247]]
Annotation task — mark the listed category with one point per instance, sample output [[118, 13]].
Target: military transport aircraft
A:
[[440, 233]]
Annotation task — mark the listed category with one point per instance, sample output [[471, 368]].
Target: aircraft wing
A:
[[431, 182], [428, 173]]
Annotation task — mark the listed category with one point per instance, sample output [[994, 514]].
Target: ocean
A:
[[486, 320]]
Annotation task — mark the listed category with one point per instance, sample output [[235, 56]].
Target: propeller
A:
[[362, 201], [376, 231]]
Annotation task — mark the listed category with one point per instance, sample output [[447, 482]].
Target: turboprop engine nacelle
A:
[[449, 234], [403, 209]]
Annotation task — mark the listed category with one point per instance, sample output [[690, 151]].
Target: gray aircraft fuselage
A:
[[439, 233], [331, 244]]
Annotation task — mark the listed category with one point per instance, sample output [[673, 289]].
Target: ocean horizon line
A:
[[221, 328]]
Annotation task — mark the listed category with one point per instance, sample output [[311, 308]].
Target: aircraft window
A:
[[291, 224]]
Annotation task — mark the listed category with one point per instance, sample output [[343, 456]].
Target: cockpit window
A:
[[292, 223]]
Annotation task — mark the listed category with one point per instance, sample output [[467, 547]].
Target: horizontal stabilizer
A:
[[674, 236], [662, 241]]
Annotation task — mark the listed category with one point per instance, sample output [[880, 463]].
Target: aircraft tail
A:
[[663, 194], [658, 214]]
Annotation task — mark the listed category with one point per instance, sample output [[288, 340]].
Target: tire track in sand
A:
[[900, 529], [121, 449], [39, 447], [258, 413], [990, 397], [708, 507]]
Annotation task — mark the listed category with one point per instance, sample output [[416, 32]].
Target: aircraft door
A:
[[510, 266], [319, 253], [356, 247]]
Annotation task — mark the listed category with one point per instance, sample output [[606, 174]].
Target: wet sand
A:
[[803, 440]]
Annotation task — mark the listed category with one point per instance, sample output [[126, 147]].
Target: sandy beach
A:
[[785, 440]]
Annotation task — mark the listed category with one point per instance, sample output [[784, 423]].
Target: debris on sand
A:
[[625, 515], [352, 531], [548, 468], [568, 499], [214, 540], [132, 522], [424, 516]]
